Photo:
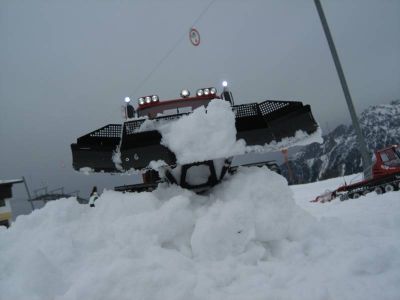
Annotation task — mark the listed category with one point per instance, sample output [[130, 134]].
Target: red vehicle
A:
[[385, 178]]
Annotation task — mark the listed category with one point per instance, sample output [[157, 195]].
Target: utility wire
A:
[[168, 53]]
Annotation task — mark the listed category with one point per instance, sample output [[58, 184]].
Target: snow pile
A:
[[169, 244], [247, 239], [203, 135]]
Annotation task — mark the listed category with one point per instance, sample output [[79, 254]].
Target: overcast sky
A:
[[65, 66]]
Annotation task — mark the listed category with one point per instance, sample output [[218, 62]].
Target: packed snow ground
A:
[[247, 239]]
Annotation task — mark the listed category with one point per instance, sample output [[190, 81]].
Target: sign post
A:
[[362, 147]]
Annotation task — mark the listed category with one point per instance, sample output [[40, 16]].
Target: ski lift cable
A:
[[168, 53]]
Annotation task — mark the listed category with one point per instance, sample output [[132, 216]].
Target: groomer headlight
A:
[[185, 93], [147, 99], [154, 98], [127, 99], [224, 83], [213, 91], [200, 93], [141, 101], [206, 92]]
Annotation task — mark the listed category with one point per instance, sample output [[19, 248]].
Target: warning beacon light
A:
[[226, 94], [129, 110]]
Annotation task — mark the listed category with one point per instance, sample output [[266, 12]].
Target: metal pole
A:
[[366, 159], [29, 194]]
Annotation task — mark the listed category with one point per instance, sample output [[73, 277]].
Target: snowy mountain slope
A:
[[338, 155], [246, 239]]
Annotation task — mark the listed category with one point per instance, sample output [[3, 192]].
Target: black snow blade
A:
[[269, 121], [95, 149], [256, 123]]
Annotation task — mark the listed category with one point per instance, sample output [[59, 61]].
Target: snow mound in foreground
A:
[[247, 239]]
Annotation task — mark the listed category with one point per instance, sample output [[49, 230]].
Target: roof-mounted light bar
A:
[[206, 92], [148, 100]]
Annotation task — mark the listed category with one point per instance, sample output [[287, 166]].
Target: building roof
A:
[[11, 181]]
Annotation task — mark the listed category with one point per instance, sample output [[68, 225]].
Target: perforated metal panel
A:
[[268, 107], [132, 126], [246, 110], [111, 131]]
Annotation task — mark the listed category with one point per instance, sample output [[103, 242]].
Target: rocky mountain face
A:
[[338, 155]]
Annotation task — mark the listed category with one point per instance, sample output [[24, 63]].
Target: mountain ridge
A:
[[338, 154]]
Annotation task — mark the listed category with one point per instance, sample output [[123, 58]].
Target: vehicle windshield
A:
[[391, 157]]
